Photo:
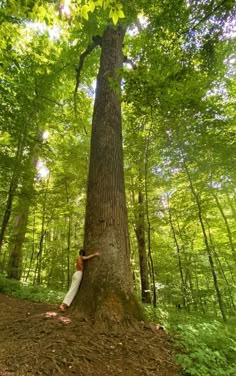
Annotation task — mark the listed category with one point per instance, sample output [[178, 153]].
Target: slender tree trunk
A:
[[43, 232], [146, 160], [231, 243], [199, 297], [230, 269], [8, 208], [7, 213], [207, 245], [154, 301], [228, 287], [188, 285], [140, 234], [40, 256], [190, 276], [107, 288], [33, 248], [69, 220], [183, 286], [231, 205]]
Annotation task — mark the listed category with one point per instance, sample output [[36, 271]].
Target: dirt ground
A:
[[36, 339]]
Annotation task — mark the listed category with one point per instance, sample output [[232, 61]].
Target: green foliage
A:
[[26, 291], [207, 346], [211, 346]]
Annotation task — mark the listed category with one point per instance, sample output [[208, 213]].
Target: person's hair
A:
[[82, 252]]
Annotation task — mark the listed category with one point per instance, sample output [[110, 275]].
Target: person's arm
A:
[[91, 256]]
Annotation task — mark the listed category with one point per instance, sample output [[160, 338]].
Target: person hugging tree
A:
[[76, 278]]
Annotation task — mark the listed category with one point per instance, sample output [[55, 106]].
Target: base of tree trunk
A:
[[111, 308]]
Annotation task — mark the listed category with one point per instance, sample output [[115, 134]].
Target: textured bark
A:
[[107, 289]]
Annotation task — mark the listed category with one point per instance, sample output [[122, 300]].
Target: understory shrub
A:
[[34, 293], [207, 345]]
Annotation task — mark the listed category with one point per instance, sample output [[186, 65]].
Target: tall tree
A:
[[108, 283]]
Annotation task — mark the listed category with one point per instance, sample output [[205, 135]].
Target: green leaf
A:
[[99, 3], [115, 18], [105, 4], [84, 11], [41, 13], [121, 14], [91, 6]]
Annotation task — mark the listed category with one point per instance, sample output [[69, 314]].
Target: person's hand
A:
[[98, 253]]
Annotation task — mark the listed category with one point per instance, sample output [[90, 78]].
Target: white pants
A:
[[76, 279]]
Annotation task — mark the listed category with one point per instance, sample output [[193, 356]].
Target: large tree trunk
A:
[[107, 289]]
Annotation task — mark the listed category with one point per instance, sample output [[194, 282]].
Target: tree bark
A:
[[107, 289]]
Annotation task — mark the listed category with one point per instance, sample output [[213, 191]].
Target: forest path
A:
[[36, 339]]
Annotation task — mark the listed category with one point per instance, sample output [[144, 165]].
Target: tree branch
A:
[[206, 17], [50, 100], [97, 41]]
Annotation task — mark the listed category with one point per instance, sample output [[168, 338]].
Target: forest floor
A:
[[36, 339]]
